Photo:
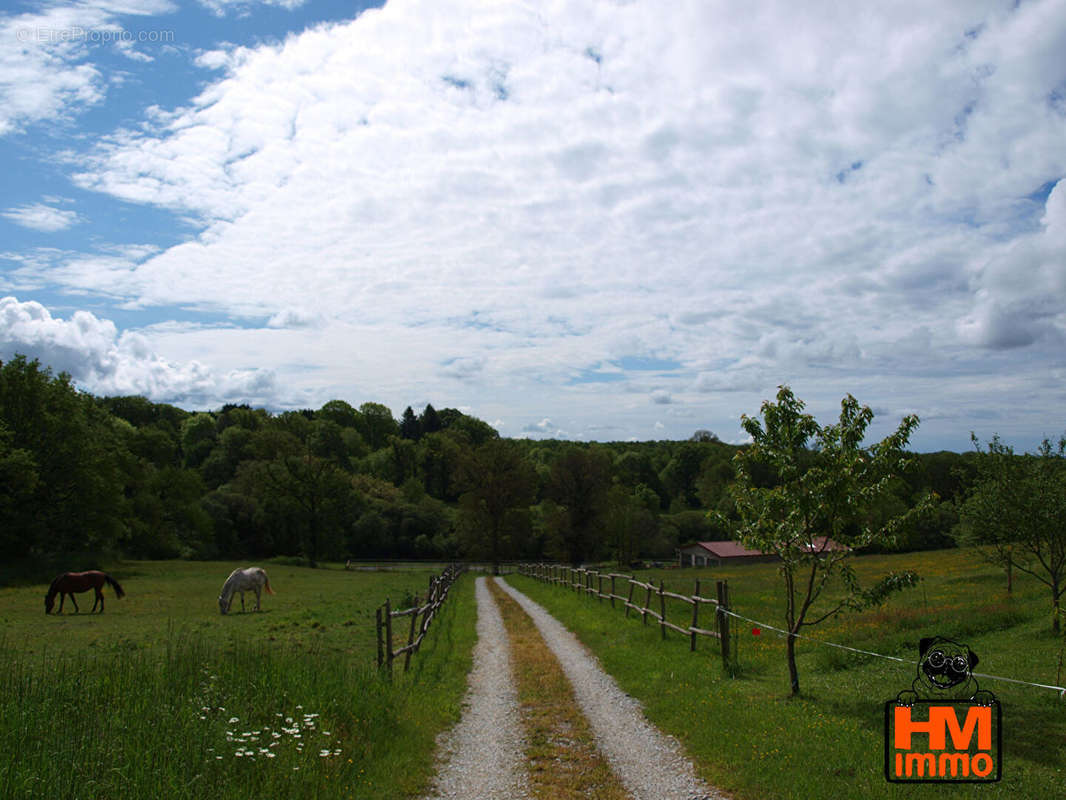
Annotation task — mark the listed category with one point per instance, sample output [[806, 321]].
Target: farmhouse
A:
[[713, 554]]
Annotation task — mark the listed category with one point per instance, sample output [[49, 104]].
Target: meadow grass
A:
[[751, 738], [161, 696]]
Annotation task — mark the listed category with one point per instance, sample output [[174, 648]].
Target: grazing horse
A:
[[241, 580], [70, 582]]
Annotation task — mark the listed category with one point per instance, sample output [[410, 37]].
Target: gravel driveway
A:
[[483, 755]]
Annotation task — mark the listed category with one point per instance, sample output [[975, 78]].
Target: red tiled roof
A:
[[729, 549], [737, 550]]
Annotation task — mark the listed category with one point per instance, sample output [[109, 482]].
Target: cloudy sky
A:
[[590, 219]]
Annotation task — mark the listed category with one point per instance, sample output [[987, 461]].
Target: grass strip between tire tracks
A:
[[563, 759]]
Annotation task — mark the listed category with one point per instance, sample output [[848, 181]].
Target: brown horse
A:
[[70, 582]]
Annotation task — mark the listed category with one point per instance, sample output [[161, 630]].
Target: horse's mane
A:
[[231, 581], [52, 589], [241, 579]]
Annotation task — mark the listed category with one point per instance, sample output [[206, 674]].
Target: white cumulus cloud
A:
[[509, 195], [102, 361]]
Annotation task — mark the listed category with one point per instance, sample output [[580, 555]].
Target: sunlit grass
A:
[[751, 738], [180, 703]]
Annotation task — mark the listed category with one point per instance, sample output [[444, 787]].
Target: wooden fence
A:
[[607, 585], [438, 592]]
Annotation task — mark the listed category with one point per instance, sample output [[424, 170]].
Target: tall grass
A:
[[235, 713], [750, 738]]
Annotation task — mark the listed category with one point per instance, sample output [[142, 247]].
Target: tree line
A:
[[130, 477]]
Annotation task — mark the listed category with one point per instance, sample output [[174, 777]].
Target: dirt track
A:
[[482, 757]]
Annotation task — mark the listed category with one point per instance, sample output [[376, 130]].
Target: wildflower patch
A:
[[297, 733]]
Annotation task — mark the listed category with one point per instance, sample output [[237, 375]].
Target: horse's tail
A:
[[266, 583], [114, 585]]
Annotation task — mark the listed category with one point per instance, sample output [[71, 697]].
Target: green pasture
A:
[[162, 696], [750, 738]]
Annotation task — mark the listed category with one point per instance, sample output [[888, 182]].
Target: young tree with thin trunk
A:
[[819, 507]]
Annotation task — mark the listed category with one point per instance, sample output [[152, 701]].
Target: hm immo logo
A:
[[944, 728]]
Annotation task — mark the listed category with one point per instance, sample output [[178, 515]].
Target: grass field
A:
[[161, 696], [750, 738]]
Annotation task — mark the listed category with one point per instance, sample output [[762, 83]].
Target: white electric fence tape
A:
[[1060, 689]]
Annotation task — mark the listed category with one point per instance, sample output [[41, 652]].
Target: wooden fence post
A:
[[586, 581], [388, 635], [381, 649], [662, 610], [695, 616], [438, 591], [723, 620], [411, 636]]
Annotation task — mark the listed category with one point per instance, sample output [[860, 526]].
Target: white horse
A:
[[241, 580]]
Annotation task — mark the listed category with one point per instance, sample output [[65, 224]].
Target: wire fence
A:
[[439, 586], [762, 625], [592, 582], [655, 603]]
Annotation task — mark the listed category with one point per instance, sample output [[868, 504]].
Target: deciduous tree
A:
[[316, 495], [376, 424], [499, 487], [632, 521], [70, 499], [818, 509], [1016, 513], [578, 481]]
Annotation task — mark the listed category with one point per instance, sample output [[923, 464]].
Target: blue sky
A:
[[589, 219]]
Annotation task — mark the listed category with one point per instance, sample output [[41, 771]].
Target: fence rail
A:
[[592, 583], [439, 586]]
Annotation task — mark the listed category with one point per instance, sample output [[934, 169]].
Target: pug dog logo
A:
[[945, 728]]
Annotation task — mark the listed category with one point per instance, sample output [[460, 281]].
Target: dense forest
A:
[[126, 476]]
